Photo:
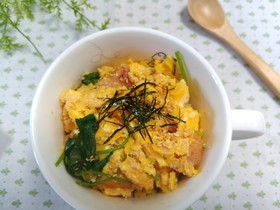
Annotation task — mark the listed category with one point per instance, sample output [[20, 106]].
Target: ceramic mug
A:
[[207, 95]]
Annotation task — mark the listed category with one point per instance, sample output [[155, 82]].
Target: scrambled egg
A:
[[154, 162]]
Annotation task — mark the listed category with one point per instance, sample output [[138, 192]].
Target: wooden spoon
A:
[[210, 15]]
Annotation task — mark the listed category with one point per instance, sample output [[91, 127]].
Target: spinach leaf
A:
[[99, 164], [80, 155], [106, 178], [91, 78], [111, 150], [72, 157], [79, 152], [86, 138]]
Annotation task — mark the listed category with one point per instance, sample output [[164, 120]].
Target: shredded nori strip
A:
[[134, 107]]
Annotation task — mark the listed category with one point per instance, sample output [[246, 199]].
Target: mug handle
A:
[[246, 124]]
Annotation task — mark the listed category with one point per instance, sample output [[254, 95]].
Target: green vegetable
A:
[[86, 138], [13, 12], [79, 152], [73, 160], [183, 67], [156, 178], [81, 158], [107, 177], [111, 150], [60, 159], [91, 78]]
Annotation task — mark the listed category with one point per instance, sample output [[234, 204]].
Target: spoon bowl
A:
[[207, 13], [210, 16]]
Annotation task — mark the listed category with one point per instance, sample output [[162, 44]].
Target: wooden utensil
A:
[[210, 15]]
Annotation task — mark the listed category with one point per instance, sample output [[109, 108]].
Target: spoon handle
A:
[[269, 76]]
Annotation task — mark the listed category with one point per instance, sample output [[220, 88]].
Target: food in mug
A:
[[130, 130]]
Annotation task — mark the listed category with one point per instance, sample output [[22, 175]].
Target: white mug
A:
[[207, 95]]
